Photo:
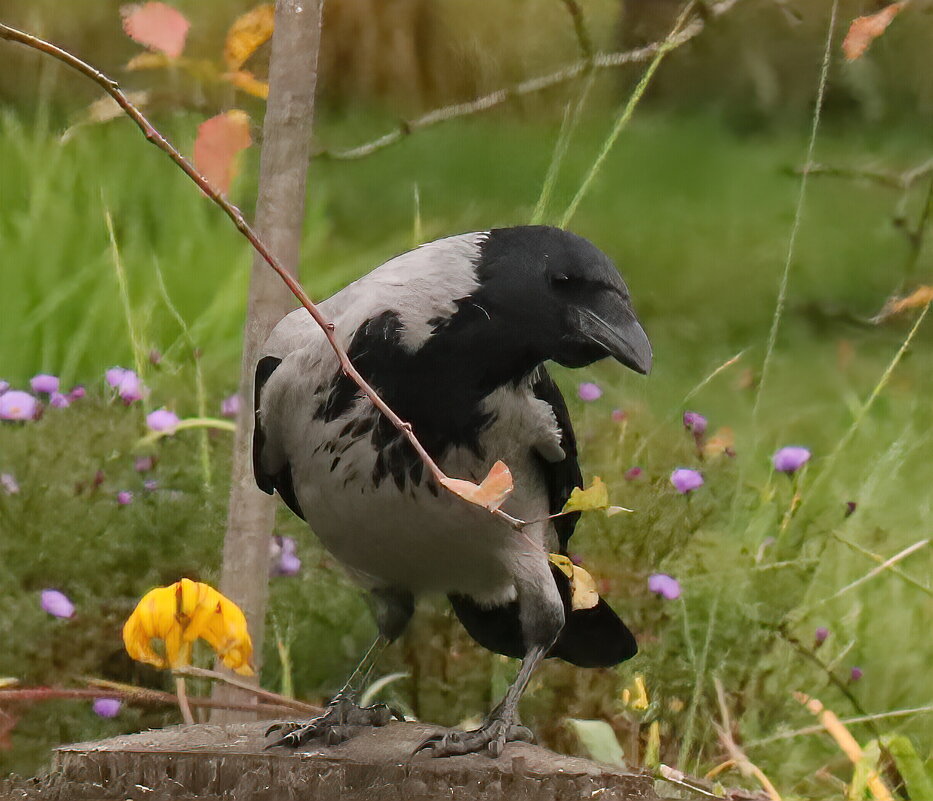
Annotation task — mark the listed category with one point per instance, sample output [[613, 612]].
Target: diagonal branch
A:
[[112, 88], [537, 84]]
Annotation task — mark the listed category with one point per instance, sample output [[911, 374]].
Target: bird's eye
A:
[[560, 279]]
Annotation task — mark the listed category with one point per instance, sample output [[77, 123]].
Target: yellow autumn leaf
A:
[[178, 615], [249, 83], [148, 61], [636, 696], [247, 34], [490, 493], [583, 593], [592, 498]]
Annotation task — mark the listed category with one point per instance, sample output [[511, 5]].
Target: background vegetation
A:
[[695, 203]]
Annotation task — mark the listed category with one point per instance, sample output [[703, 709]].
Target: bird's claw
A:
[[491, 737], [342, 720]]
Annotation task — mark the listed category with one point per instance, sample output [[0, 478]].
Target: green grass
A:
[[697, 217]]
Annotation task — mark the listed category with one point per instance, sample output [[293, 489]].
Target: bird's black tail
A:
[[594, 637]]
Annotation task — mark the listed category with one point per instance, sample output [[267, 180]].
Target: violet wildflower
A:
[[59, 401], [619, 415], [144, 464], [107, 707], [685, 480], [57, 603], [664, 585], [124, 497], [18, 405], [44, 383], [855, 674], [130, 388], [850, 508], [230, 407], [790, 459], [162, 420], [285, 561], [151, 485], [632, 473], [588, 391], [4, 386], [77, 392], [9, 483], [695, 422], [820, 635], [115, 375]]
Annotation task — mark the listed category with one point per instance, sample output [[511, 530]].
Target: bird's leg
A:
[[501, 725], [343, 717]]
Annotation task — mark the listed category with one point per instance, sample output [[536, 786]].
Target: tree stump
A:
[[222, 763]]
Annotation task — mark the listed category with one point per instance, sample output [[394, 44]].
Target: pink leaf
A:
[[219, 141], [157, 26]]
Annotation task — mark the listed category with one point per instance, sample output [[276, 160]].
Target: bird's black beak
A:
[[618, 331]]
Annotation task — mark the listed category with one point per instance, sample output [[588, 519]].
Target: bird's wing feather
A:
[[563, 474]]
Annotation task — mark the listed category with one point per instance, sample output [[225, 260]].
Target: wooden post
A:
[[279, 217]]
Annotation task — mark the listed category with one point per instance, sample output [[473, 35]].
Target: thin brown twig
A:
[[531, 85], [584, 40], [889, 178], [112, 88], [265, 695], [138, 695]]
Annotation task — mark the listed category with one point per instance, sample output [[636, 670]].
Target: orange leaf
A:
[[917, 299], [157, 26], [219, 141], [864, 30], [490, 494], [249, 83], [722, 442], [247, 34]]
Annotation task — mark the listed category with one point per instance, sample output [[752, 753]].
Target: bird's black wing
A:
[[561, 477], [280, 481]]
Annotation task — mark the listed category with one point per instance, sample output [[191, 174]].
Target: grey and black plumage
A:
[[454, 336]]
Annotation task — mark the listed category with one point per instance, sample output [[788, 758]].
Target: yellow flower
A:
[[178, 615]]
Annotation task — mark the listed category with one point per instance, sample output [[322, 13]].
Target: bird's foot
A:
[[491, 737], [342, 720]]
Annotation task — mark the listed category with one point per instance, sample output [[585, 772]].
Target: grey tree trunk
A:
[[279, 216]]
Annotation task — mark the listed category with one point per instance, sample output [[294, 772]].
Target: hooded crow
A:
[[454, 336]]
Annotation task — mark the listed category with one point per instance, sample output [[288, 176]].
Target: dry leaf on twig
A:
[[490, 493], [219, 141]]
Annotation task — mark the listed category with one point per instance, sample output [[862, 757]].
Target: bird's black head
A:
[[560, 297]]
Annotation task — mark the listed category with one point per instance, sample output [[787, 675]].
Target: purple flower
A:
[[855, 674], [18, 405], [589, 391], [664, 585], [57, 604], [77, 392], [9, 483], [619, 415], [115, 375], [695, 422], [685, 480], [4, 386], [151, 485], [632, 473], [107, 707], [59, 401], [850, 508], [44, 383], [285, 561], [790, 459], [821, 635], [162, 420], [230, 407], [124, 497], [144, 464]]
